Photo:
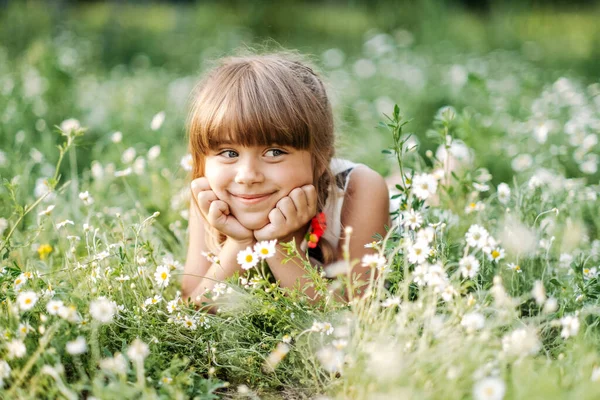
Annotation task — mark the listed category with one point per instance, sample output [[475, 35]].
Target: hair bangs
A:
[[255, 110]]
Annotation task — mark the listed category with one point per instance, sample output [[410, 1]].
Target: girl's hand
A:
[[216, 212], [290, 214]]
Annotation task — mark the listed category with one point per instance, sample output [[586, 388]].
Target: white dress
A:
[[341, 169]]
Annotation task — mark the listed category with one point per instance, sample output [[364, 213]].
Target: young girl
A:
[[262, 141]]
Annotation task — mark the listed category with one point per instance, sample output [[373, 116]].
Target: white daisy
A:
[[27, 300], [469, 266], [54, 306], [247, 258], [412, 219], [157, 121], [570, 326], [374, 261], [477, 236], [16, 349], [473, 321], [187, 162], [77, 346], [418, 252], [515, 267], [47, 211], [491, 388], [424, 185], [138, 350], [496, 254], [265, 249], [162, 276], [63, 223], [503, 193], [103, 310], [153, 300]]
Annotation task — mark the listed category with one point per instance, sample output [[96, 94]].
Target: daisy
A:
[[153, 300], [27, 300], [247, 259], [496, 254], [162, 276], [77, 346], [20, 281], [122, 278], [86, 198], [16, 349], [515, 267], [472, 207], [103, 310], [157, 121], [469, 266], [138, 350], [265, 249], [589, 273], [473, 322], [24, 329], [116, 137], [418, 253], [54, 306], [489, 389], [412, 219], [476, 236], [189, 323], [187, 162], [154, 152], [63, 223], [374, 261], [47, 211], [424, 185], [4, 372], [172, 306], [503, 193]]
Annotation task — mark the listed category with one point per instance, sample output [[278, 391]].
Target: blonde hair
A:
[[258, 100]]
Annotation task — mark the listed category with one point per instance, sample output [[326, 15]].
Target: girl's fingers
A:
[[205, 199], [276, 217], [287, 208], [217, 213], [199, 184], [300, 201], [311, 198]]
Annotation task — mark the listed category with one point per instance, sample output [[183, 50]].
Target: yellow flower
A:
[[44, 250]]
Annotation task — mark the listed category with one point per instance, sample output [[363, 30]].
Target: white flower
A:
[[173, 306], [128, 155], [590, 273], [247, 258], [503, 193], [116, 364], [471, 207], [480, 187], [16, 349], [157, 121], [489, 389], [70, 125], [551, 305], [47, 211], [412, 219], [521, 342], [496, 254], [20, 281], [138, 350], [322, 327], [570, 326], [4, 372], [153, 300], [86, 198], [54, 306], [469, 266], [77, 346], [189, 323], [391, 301], [514, 267], [154, 152], [473, 321], [265, 249], [418, 252], [424, 185], [27, 300], [331, 359], [116, 137], [477, 236], [187, 162], [63, 223], [103, 310], [126, 172], [538, 292], [374, 261], [162, 275]]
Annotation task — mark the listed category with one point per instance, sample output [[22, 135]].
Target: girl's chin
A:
[[253, 222]]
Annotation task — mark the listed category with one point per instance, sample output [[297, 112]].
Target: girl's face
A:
[[251, 180]]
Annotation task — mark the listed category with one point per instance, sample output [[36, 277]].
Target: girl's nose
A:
[[248, 173]]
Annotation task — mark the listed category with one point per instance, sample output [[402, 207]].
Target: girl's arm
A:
[[365, 209], [199, 273]]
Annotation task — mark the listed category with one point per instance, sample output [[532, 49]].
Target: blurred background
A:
[[114, 65]]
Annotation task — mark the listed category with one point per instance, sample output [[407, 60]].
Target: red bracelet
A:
[[317, 228]]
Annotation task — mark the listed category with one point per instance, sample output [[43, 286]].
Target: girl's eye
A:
[[228, 154], [275, 152]]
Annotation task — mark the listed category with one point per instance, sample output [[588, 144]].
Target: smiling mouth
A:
[[251, 198]]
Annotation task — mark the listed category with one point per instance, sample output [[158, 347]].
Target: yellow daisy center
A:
[[249, 258], [163, 275], [27, 301], [495, 254], [264, 250]]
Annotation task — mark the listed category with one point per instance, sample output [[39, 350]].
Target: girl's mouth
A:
[[250, 199]]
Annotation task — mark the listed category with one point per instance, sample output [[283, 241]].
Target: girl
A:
[[262, 141]]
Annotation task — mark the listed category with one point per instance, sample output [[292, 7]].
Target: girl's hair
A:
[[258, 100]]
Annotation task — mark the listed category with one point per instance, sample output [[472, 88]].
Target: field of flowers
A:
[[488, 280]]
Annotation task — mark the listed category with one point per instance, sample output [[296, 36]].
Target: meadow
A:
[[487, 283]]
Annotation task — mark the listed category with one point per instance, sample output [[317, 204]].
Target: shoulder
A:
[[366, 199], [363, 180]]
